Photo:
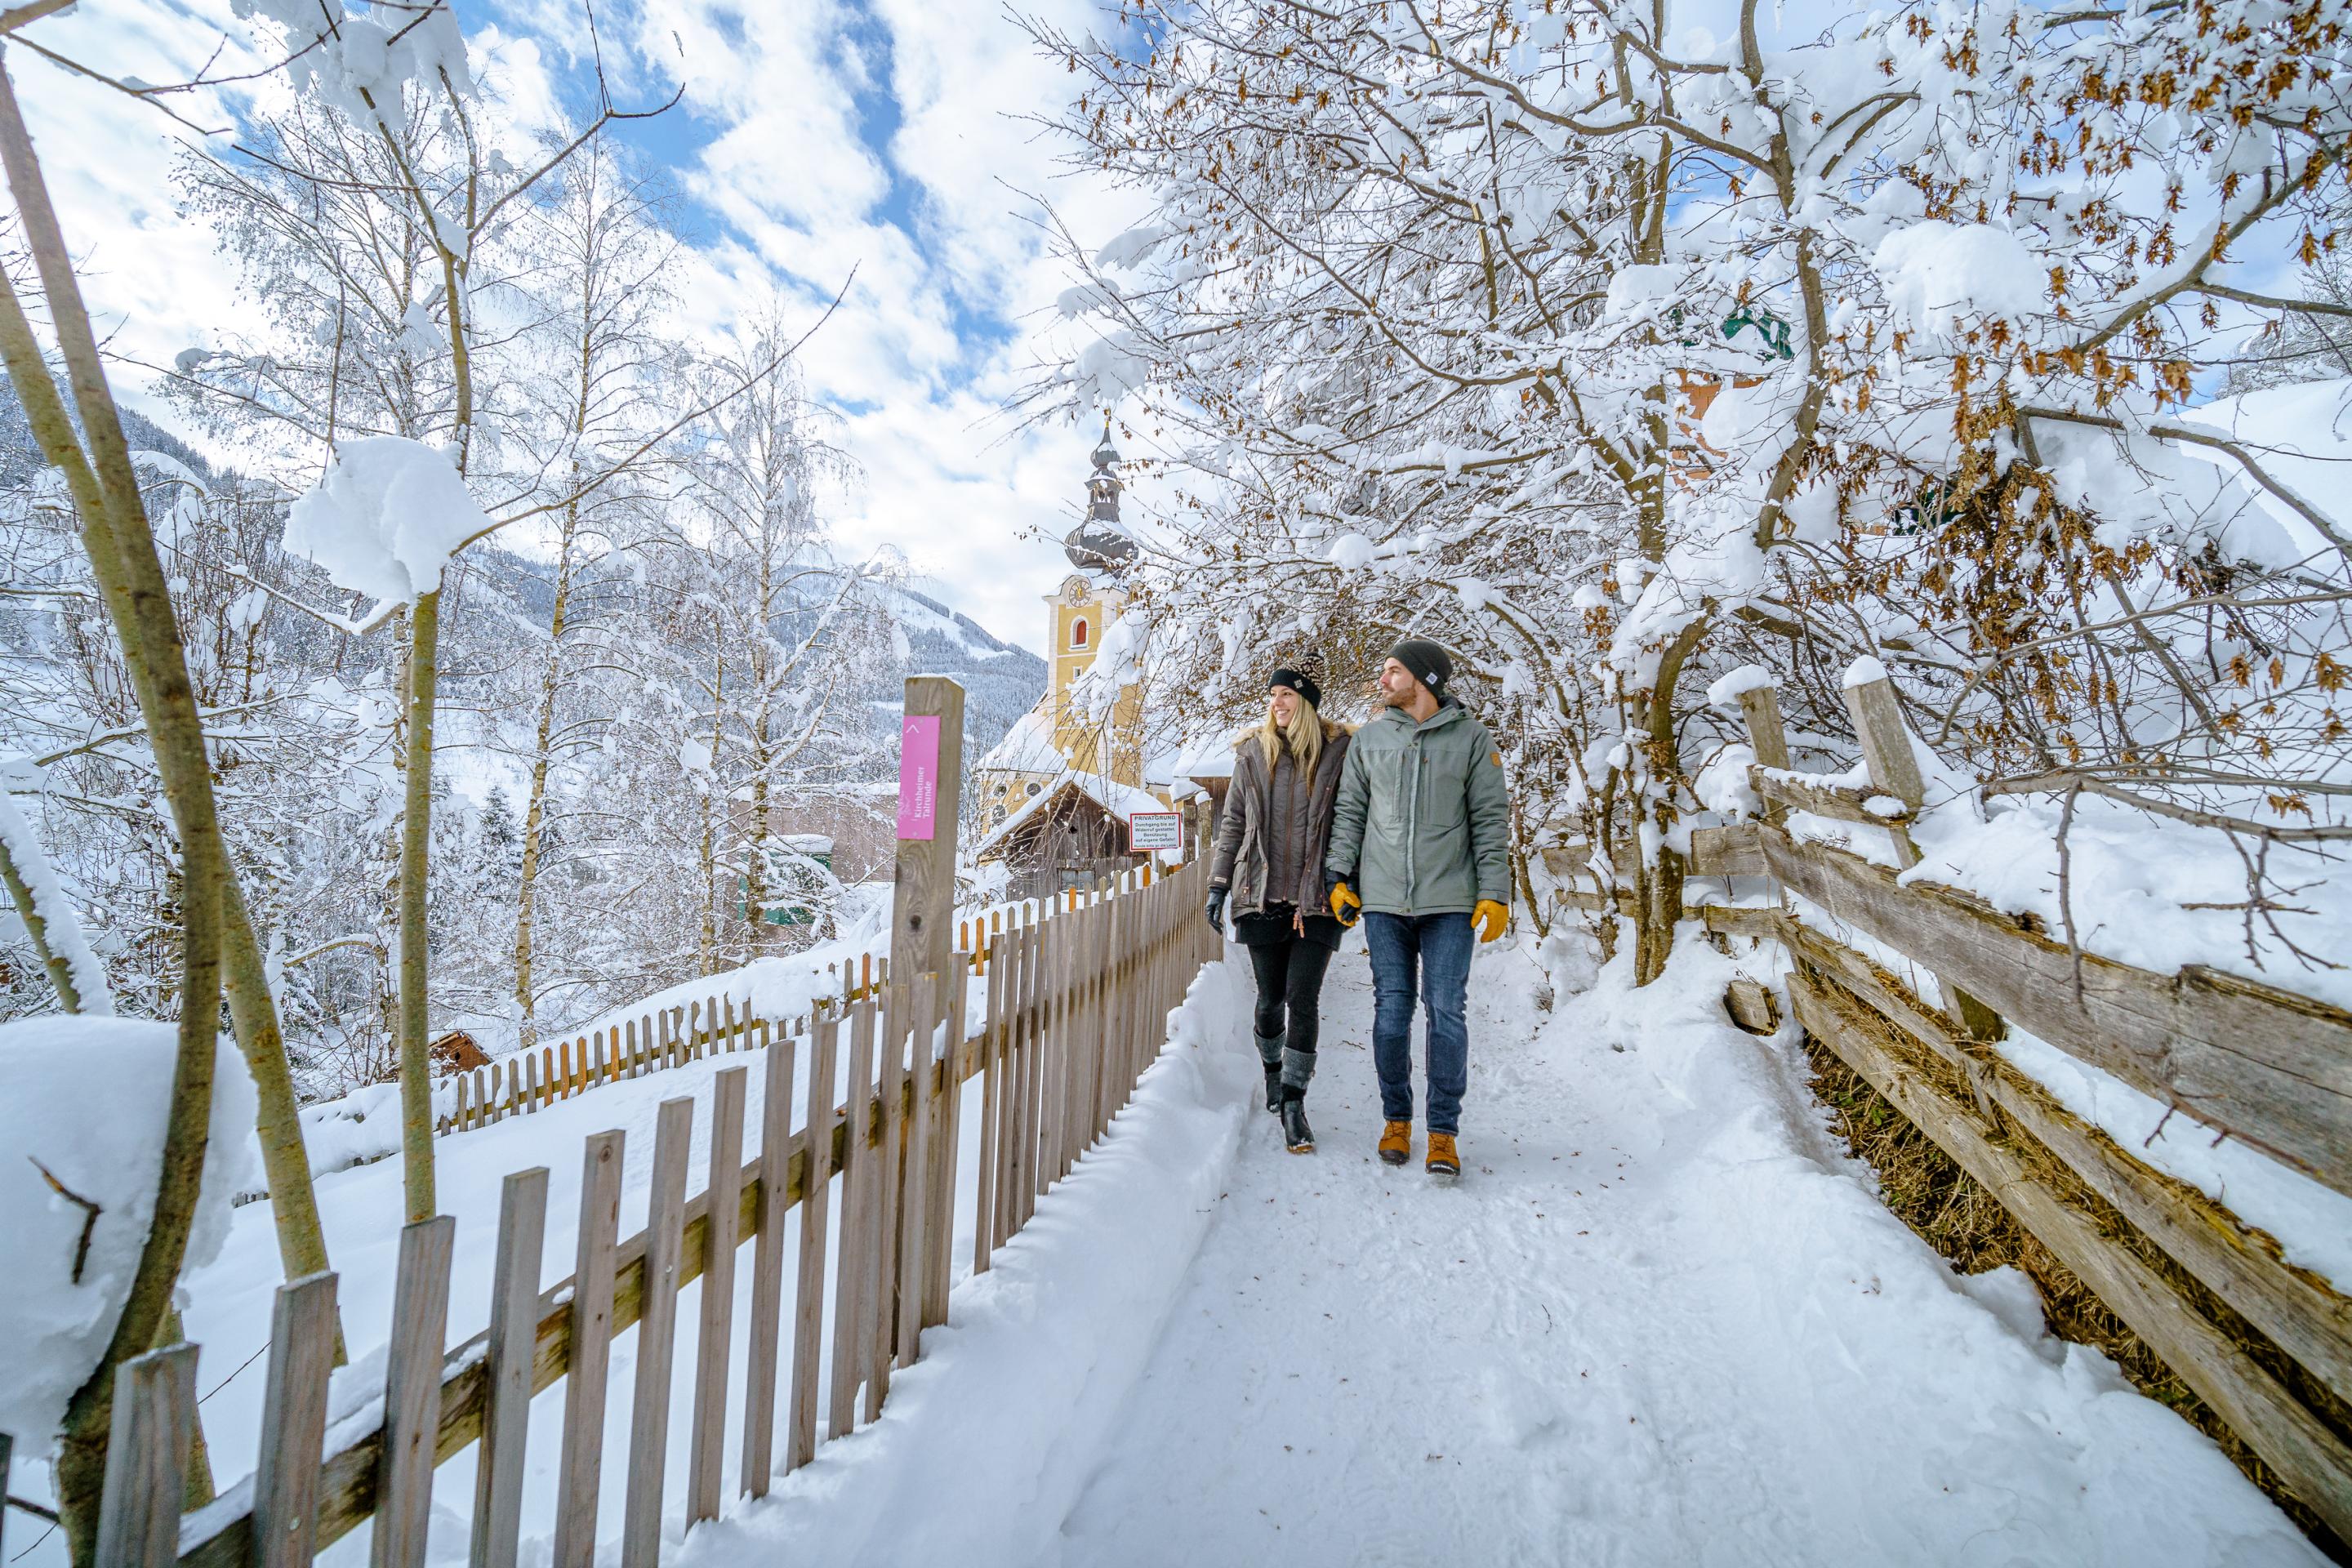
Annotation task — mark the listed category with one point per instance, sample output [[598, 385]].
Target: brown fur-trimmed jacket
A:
[[1274, 816]]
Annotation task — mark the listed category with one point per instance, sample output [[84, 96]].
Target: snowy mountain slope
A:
[[1000, 682]]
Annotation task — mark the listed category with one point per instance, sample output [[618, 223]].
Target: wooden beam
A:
[[1840, 802], [2314, 1463], [1885, 741], [1727, 851], [1740, 919], [412, 1379], [294, 1421], [2267, 1067], [2242, 1265]]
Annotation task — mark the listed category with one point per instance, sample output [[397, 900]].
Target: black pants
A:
[[1291, 979]]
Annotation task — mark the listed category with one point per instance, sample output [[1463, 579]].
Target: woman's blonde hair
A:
[[1305, 735]]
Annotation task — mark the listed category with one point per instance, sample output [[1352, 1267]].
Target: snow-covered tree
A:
[[1622, 353]]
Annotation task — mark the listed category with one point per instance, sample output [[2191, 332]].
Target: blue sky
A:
[[815, 135]]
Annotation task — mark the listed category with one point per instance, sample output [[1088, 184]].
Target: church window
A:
[[1078, 632]]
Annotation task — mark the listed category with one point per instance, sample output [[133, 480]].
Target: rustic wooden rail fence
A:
[[2265, 1066], [1079, 994]]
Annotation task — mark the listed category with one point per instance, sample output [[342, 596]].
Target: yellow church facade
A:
[[1060, 736]]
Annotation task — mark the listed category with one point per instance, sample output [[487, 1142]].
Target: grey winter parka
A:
[[1422, 823], [1261, 821]]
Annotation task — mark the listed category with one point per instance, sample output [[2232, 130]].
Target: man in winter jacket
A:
[[1419, 846]]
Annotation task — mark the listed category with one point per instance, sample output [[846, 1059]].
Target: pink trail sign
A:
[[919, 776]]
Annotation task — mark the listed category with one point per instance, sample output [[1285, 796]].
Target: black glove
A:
[[1216, 909]]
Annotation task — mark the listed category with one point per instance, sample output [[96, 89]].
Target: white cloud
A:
[[931, 338]]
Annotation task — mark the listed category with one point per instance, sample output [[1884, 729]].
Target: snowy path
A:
[[1660, 1319]]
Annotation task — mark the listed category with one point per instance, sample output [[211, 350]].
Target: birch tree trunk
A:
[[285, 1159], [711, 807], [415, 842], [534, 817], [104, 492]]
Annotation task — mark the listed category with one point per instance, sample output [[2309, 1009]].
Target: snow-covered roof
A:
[[1028, 748], [1207, 754], [1118, 800]]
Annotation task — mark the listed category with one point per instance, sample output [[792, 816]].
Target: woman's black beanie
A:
[[1302, 684]]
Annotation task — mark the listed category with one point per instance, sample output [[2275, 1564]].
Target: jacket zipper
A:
[[1412, 830]]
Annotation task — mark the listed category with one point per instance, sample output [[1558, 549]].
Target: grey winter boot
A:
[[1270, 1053], [1298, 1067]]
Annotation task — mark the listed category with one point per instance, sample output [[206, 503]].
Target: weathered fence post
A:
[[579, 1468], [1759, 708], [922, 941], [768, 1250], [808, 1304], [722, 1209], [412, 1394], [293, 1423], [514, 1331], [1894, 770], [146, 1460], [641, 1506]]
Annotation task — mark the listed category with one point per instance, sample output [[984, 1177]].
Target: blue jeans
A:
[[1438, 947]]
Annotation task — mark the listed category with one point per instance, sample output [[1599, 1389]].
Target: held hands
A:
[[1490, 918], [1216, 909], [1346, 908]]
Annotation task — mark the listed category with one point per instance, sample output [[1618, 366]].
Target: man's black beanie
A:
[[1425, 662]]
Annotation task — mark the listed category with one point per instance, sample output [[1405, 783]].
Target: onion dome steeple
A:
[[1101, 542]]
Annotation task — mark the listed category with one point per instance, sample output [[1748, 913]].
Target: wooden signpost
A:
[[922, 956], [931, 783]]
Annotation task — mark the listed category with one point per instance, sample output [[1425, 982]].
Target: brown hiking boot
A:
[[1442, 1160], [1396, 1141]]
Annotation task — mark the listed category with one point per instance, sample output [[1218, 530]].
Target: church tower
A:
[[1080, 611]]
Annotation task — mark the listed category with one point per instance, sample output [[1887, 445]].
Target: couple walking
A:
[[1402, 824]]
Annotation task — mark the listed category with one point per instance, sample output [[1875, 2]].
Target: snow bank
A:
[[2132, 883], [986, 1442], [86, 1098], [1929, 1415], [356, 1129], [2312, 1223], [389, 512]]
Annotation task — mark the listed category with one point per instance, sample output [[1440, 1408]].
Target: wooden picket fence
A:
[[683, 1032], [2263, 1066], [1079, 994]]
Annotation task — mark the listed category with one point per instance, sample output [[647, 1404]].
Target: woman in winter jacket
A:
[[1268, 871]]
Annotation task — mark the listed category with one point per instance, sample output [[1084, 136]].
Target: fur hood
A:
[[1333, 730]]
